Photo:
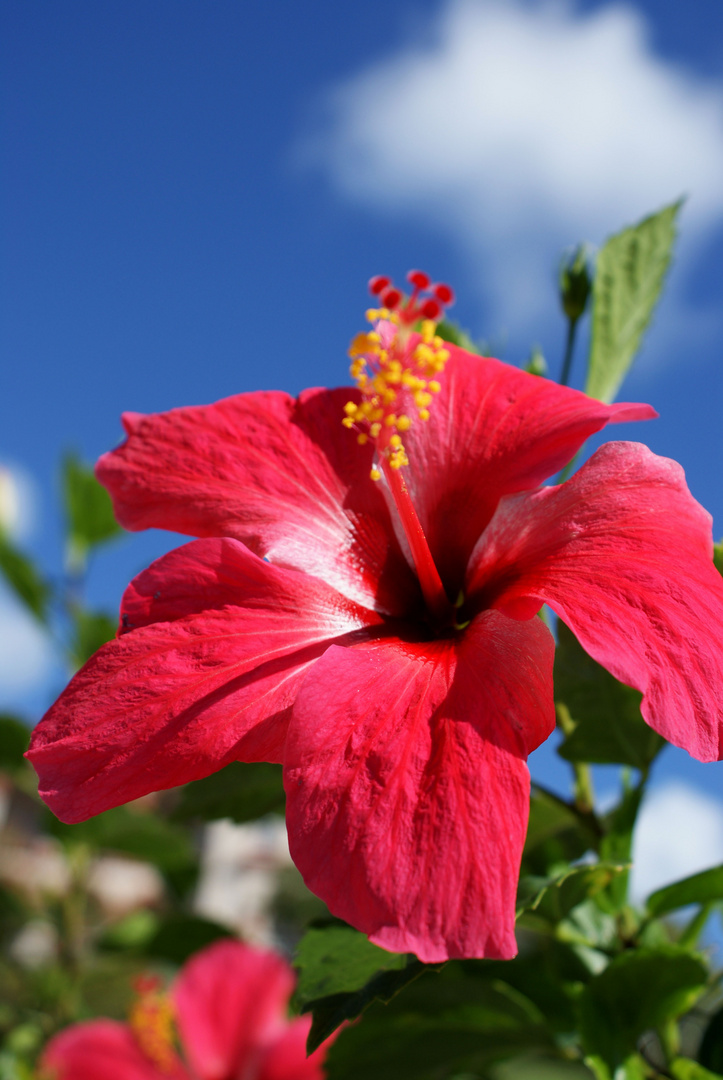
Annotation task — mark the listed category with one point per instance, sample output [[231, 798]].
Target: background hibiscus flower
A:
[[229, 1009]]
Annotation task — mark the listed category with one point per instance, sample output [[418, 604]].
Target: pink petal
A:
[[281, 475], [622, 552], [101, 1048], [407, 790], [174, 701], [493, 430], [231, 1003], [286, 1057]]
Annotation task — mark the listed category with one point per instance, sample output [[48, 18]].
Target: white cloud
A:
[[26, 653], [679, 832], [520, 127]]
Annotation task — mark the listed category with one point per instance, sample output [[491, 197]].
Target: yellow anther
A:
[[375, 474], [151, 1020], [392, 366]]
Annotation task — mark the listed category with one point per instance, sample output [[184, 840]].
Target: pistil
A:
[[396, 366], [431, 583]]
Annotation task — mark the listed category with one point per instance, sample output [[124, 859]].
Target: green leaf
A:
[[14, 739], [718, 557], [608, 726], [143, 836], [629, 275], [241, 791], [335, 959], [92, 629], [698, 889], [450, 331], [544, 973], [556, 834], [638, 990], [24, 579], [553, 898], [446, 1023], [539, 1068], [594, 930], [710, 1052], [633, 1068], [341, 973], [685, 1069], [88, 508]]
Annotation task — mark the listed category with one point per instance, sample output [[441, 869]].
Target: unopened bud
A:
[[575, 282], [536, 365]]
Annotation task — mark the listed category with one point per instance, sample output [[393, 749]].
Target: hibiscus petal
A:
[[407, 789], [493, 430], [231, 1002], [622, 552], [101, 1048], [280, 474], [174, 701], [286, 1057]]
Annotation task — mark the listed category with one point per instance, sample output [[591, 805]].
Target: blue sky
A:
[[195, 194]]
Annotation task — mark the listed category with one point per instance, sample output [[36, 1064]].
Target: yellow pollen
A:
[[151, 1020], [393, 366]]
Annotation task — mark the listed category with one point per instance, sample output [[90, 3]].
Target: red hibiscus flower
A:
[[362, 608], [225, 1018]]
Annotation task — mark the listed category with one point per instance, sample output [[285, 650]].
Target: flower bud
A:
[[536, 365], [575, 282]]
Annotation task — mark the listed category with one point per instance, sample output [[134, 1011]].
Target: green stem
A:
[[569, 351], [584, 795]]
